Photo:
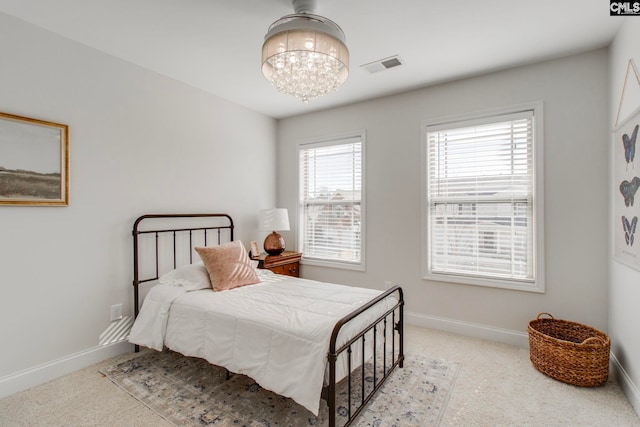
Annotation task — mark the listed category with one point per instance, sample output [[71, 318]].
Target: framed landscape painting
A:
[[34, 162]]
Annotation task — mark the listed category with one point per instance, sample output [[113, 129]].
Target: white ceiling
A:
[[216, 45]]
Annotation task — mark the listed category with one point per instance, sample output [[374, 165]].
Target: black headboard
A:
[[167, 239]]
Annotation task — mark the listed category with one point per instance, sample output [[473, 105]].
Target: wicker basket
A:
[[568, 351]]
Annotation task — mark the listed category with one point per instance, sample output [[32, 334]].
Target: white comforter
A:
[[276, 332]]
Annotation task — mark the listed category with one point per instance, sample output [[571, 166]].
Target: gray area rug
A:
[[189, 391]]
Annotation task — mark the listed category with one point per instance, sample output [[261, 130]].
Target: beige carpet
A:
[[496, 386], [191, 392]]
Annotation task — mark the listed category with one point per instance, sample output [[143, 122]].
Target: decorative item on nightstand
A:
[[274, 220]]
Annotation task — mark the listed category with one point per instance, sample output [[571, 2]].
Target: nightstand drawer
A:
[[292, 269], [287, 263]]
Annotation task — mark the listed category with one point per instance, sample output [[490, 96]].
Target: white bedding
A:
[[276, 332]]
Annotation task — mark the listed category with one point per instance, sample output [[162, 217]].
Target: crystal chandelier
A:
[[304, 54]]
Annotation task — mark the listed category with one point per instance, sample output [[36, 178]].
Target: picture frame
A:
[[34, 162], [626, 195], [254, 249]]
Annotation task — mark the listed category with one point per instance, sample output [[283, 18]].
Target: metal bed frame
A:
[[394, 315]]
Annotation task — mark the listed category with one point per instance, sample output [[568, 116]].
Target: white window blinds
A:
[[331, 200], [480, 196]]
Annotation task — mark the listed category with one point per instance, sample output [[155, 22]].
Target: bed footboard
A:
[[395, 315]]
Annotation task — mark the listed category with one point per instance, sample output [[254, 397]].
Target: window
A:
[[483, 200], [331, 202]]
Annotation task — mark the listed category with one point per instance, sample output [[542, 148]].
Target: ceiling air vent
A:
[[383, 64]]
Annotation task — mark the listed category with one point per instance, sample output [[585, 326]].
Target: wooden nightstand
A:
[[287, 263]]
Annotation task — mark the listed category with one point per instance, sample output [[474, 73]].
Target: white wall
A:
[[624, 293], [574, 91], [139, 143]]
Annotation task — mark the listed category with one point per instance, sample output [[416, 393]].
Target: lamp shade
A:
[[305, 55], [273, 220]]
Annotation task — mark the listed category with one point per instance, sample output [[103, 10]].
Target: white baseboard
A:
[[626, 384], [474, 330], [40, 374]]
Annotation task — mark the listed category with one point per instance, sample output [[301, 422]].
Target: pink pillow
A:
[[228, 265]]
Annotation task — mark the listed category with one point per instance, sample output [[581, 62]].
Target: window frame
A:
[[336, 139], [461, 120]]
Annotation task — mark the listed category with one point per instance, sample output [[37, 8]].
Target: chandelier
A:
[[304, 54]]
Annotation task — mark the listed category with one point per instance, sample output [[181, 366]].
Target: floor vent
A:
[[383, 64]]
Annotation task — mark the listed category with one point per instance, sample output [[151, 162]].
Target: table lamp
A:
[[274, 220]]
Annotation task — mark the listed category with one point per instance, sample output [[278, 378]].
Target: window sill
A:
[[333, 264], [536, 287]]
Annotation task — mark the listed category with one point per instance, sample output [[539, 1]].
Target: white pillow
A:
[[191, 277]]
